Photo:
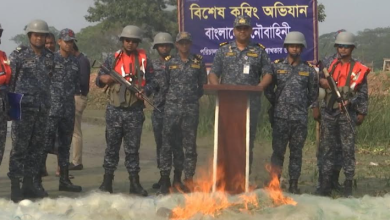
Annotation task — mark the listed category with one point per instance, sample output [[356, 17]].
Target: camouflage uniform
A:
[[325, 63], [229, 64], [124, 123], [336, 133], [338, 163], [296, 90], [3, 125], [5, 76], [157, 117], [31, 77], [64, 84], [181, 113]]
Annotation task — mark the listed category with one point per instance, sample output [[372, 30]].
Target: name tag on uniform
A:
[[173, 67], [196, 66], [281, 71], [303, 73], [246, 69], [251, 54], [229, 54]]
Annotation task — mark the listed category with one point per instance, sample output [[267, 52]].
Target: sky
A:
[[352, 15]]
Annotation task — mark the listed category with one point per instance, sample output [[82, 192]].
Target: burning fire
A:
[[276, 193], [206, 203]]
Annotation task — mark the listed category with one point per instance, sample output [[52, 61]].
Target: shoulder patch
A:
[[309, 64], [198, 56], [20, 48], [278, 60], [261, 46], [223, 44], [167, 58]]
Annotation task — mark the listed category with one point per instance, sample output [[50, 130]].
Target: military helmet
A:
[[162, 38], [345, 38], [295, 37], [131, 31], [37, 26]]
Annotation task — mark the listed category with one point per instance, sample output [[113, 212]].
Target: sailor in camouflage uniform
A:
[[296, 89], [335, 185], [32, 67], [65, 83], [163, 43], [185, 75], [5, 77], [124, 113], [337, 131], [242, 62]]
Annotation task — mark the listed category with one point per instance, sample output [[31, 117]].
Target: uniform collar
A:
[[285, 61], [190, 57], [250, 45]]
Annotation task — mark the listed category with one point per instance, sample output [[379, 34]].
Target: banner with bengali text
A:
[[210, 23]]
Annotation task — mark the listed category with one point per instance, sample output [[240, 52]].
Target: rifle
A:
[[337, 94], [118, 78]]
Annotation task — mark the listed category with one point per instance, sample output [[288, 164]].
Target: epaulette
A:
[[198, 56], [279, 60], [223, 44], [167, 58], [309, 64], [260, 45], [20, 48]]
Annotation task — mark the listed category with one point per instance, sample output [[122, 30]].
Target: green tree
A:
[[96, 41], [372, 45], [321, 12], [151, 15]]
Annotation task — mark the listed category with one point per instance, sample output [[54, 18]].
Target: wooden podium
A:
[[231, 137]]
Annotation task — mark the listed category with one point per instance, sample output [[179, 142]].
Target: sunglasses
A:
[[344, 46], [128, 40]]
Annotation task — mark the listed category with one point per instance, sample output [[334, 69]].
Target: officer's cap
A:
[[67, 35], [242, 20]]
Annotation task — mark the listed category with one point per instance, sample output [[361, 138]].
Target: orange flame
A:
[[275, 192], [202, 202]]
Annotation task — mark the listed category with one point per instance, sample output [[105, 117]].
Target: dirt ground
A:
[[372, 175]]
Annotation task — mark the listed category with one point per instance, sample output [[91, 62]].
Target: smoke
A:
[[101, 206]]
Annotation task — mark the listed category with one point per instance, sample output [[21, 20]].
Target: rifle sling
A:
[[137, 67]]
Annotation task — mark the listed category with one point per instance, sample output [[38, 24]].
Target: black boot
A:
[[177, 184], [65, 184], [165, 185], [335, 181], [348, 188], [37, 181], [157, 185], [189, 183], [33, 188], [294, 187], [135, 186], [326, 186], [16, 193], [107, 183]]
